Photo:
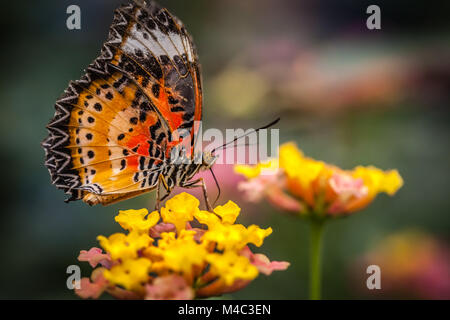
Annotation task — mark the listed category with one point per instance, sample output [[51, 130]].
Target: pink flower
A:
[[284, 201], [92, 289], [412, 263], [347, 186], [263, 263], [270, 185], [434, 281], [256, 188], [95, 256], [171, 287], [161, 227]]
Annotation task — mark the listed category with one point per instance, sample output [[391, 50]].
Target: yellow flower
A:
[[378, 180], [179, 254], [231, 266], [130, 274], [207, 218], [227, 236], [225, 214], [256, 235], [228, 212], [206, 261], [297, 166], [256, 170], [138, 220], [301, 172], [121, 246], [392, 182], [179, 210], [236, 236]]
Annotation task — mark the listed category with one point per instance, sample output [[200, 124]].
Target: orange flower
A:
[[307, 186]]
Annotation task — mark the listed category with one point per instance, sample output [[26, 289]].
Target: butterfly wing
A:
[[113, 129]]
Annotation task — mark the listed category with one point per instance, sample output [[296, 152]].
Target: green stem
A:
[[316, 236]]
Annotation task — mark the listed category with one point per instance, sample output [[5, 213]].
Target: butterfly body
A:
[[174, 175], [115, 129]]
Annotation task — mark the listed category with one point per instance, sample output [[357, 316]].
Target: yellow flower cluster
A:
[[213, 251], [317, 186]]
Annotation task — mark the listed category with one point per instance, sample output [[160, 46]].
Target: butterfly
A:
[[115, 129]]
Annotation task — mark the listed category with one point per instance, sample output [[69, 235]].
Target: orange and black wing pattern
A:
[[112, 131]]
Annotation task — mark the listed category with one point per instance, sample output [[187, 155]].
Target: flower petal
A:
[[179, 210], [171, 287], [263, 263], [155, 232], [92, 289], [95, 256], [138, 220], [130, 273], [228, 212]]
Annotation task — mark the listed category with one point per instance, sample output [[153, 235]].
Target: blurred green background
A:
[[345, 94]]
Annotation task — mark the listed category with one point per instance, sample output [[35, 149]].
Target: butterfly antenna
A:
[[246, 144], [217, 184], [246, 134]]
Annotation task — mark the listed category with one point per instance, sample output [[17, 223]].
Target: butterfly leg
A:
[[162, 181], [202, 184]]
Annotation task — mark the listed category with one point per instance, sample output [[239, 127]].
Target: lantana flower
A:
[[305, 186], [163, 257], [316, 190], [411, 262]]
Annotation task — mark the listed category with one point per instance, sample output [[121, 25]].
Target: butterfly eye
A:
[[208, 159]]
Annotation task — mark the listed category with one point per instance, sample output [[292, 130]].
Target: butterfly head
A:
[[208, 159]]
